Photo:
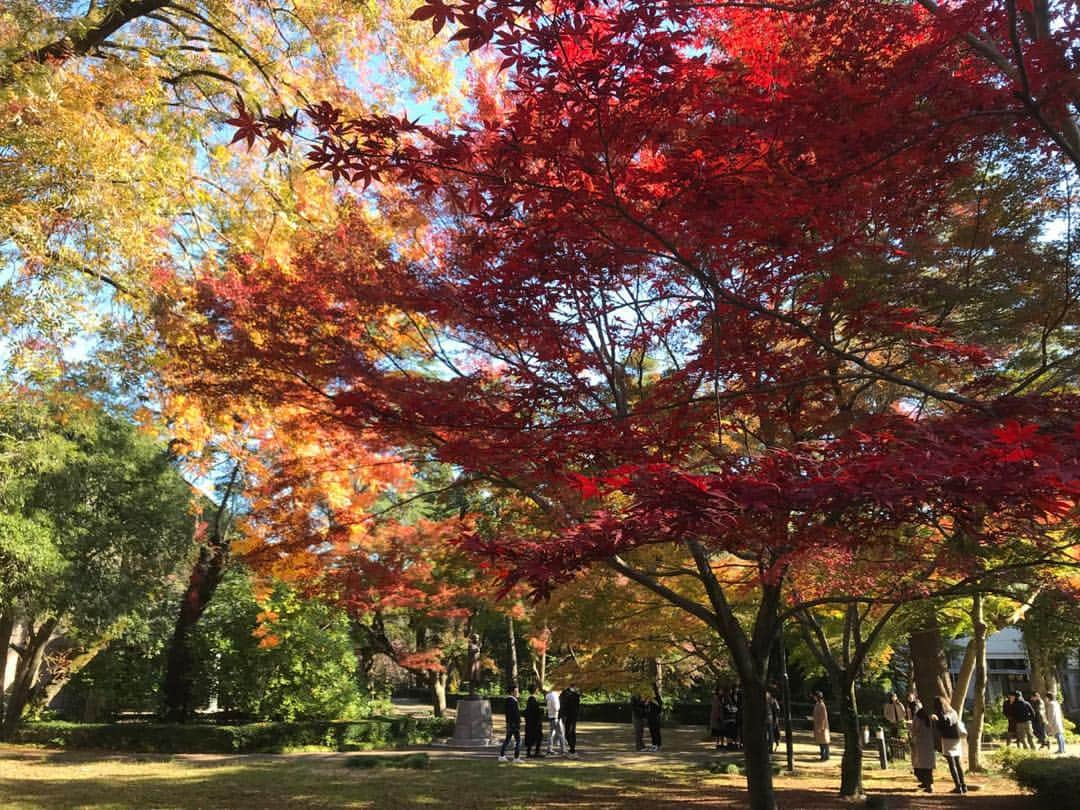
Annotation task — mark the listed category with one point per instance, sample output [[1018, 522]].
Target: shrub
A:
[[251, 738], [1008, 758], [1056, 782]]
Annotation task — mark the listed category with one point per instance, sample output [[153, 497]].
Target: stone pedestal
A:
[[473, 728]]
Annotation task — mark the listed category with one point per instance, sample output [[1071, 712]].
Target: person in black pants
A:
[[653, 708], [534, 725], [569, 701], [513, 727]]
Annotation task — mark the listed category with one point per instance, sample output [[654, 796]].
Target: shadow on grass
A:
[[50, 780]]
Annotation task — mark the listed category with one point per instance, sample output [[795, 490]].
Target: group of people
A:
[[645, 711], [561, 710], [1027, 721], [944, 724], [1035, 719], [725, 719]]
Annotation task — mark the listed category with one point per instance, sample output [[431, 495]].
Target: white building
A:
[[1008, 669]]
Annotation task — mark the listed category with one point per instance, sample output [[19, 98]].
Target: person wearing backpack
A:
[[951, 730]]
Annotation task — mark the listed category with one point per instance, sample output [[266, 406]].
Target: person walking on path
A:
[[716, 716], [1038, 721], [653, 708], [569, 704], [534, 726], [897, 719], [637, 715], [923, 753], [821, 725], [736, 701], [772, 720], [513, 727], [1008, 709], [552, 701], [1055, 721], [730, 719], [951, 731], [1024, 716]]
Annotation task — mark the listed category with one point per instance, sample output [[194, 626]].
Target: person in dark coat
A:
[[569, 704], [1038, 722], [716, 717], [1024, 716], [637, 715], [1010, 720], [736, 699], [653, 708], [513, 727], [731, 721], [772, 720], [534, 725]]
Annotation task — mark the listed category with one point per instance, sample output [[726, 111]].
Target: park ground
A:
[[608, 775]]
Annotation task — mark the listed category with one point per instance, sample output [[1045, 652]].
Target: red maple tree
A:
[[683, 285]]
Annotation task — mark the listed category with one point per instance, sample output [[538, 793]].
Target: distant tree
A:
[[109, 520]]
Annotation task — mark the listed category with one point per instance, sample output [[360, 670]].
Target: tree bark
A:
[[978, 710], [49, 687], [851, 764], [26, 674], [928, 659], [963, 678], [513, 653], [1043, 676], [756, 750], [7, 629], [178, 684], [437, 685]]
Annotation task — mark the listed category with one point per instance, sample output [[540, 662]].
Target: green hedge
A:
[[1056, 782], [253, 738]]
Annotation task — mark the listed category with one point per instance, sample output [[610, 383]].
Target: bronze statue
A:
[[474, 663]]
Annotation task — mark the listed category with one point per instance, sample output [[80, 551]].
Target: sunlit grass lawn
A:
[[75, 781], [613, 778]]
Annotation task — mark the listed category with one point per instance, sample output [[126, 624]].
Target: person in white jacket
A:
[[1055, 721], [552, 701]]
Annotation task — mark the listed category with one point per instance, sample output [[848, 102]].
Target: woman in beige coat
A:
[[923, 753], [821, 725]]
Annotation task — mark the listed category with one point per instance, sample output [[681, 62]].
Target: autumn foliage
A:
[[691, 274]]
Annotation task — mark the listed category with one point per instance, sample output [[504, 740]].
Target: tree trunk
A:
[[543, 667], [757, 753], [178, 685], [513, 653], [978, 710], [658, 678], [1043, 675], [851, 765], [437, 684], [205, 577], [7, 629], [963, 678], [49, 688], [929, 662], [26, 673]]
